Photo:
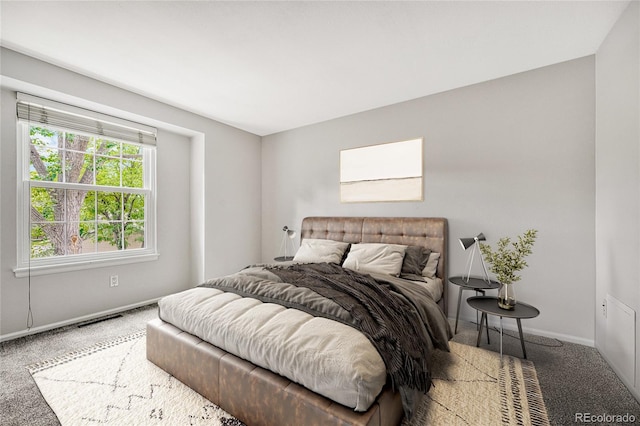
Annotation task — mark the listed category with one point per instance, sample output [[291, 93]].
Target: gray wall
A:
[[208, 203], [499, 157], [618, 179]]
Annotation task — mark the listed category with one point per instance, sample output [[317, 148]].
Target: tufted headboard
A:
[[429, 232]]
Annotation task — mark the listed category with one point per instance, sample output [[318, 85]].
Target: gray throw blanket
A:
[[383, 311], [386, 318]]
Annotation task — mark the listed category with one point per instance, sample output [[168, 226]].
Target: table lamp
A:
[[287, 238], [474, 242]]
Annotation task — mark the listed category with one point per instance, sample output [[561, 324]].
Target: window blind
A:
[[46, 112]]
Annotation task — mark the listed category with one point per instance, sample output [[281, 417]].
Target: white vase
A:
[[507, 297]]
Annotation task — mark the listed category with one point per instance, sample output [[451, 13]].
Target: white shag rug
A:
[[112, 383]]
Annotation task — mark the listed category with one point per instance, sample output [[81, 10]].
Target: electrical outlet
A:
[[604, 308], [113, 281]]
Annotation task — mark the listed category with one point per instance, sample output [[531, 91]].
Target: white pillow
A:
[[376, 258], [318, 251], [431, 266]]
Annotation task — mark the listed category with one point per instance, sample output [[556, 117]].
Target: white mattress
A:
[[327, 357]]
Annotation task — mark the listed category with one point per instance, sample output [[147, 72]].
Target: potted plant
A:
[[506, 260]]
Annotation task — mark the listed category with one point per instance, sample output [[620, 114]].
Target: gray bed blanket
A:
[[399, 318]]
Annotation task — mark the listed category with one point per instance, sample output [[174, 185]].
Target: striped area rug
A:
[[112, 383], [473, 386]]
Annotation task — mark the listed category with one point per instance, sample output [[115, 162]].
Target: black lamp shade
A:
[[468, 242], [290, 232]]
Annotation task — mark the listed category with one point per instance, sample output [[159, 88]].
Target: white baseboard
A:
[[77, 320], [512, 327]]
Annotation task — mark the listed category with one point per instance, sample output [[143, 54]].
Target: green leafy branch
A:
[[509, 257]]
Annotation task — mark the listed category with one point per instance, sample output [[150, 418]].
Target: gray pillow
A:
[[415, 259]]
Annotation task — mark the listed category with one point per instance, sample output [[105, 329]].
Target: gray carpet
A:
[[573, 378], [21, 403]]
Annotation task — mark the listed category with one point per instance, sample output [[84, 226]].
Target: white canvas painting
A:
[[385, 172]]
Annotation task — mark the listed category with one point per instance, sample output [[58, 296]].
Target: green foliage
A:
[[509, 257], [116, 218], [41, 246]]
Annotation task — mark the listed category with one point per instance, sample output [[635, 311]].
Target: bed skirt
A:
[[252, 394]]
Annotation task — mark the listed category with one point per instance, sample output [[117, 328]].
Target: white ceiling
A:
[[266, 67]]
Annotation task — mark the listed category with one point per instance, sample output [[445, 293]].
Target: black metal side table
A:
[[477, 284], [489, 306]]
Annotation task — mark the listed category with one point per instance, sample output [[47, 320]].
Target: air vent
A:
[[97, 320]]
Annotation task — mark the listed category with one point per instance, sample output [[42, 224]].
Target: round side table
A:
[[489, 306], [477, 284]]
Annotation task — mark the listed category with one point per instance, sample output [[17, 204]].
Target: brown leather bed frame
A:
[[259, 397]]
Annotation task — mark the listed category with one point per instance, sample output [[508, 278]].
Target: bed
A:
[[187, 339]]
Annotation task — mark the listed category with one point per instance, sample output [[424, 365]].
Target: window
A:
[[86, 189]]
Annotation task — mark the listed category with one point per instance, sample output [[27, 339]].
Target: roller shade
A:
[[42, 111]]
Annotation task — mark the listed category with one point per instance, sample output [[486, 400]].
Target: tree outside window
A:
[[87, 194]]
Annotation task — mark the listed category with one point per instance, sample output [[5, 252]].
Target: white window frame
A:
[[26, 266]]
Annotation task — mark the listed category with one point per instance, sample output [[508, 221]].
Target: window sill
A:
[[34, 270]]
